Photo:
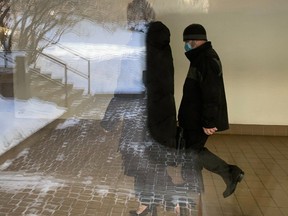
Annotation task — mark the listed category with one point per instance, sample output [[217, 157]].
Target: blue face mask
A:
[[187, 47]]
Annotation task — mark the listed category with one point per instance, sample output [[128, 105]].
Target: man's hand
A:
[[210, 131]]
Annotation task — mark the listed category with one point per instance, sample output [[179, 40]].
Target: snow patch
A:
[[68, 123], [13, 182], [20, 119]]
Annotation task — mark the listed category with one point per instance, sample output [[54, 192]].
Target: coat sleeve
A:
[[211, 89]]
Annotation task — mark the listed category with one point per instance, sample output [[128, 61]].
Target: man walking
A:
[[203, 108]]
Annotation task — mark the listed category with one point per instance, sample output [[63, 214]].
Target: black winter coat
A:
[[160, 85], [203, 103]]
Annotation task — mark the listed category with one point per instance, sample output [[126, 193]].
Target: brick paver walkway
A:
[[86, 166]]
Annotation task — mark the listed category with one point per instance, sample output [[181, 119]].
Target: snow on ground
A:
[[117, 59], [117, 62], [24, 180], [20, 119]]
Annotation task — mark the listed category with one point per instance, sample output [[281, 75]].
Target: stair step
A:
[[77, 106], [48, 88]]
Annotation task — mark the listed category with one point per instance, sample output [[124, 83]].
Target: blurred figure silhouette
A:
[[160, 85], [148, 124], [130, 84], [161, 120]]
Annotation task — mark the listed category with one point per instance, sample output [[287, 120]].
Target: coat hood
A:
[[158, 35]]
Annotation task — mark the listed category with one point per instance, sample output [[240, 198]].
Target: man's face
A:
[[193, 43]]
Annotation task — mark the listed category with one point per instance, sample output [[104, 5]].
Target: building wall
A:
[[251, 39]]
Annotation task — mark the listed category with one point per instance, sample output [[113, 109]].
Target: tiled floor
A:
[[264, 189], [82, 169]]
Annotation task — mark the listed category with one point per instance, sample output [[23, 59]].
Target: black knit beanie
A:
[[194, 32]]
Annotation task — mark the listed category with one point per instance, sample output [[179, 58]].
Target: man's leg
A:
[[231, 174]]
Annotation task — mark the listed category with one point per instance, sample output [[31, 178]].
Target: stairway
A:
[[46, 88]]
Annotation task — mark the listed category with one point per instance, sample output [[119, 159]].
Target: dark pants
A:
[[195, 141]]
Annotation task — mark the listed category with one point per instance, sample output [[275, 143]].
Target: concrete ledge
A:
[[264, 130]]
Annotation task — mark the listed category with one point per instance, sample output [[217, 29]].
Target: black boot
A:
[[231, 174], [236, 176]]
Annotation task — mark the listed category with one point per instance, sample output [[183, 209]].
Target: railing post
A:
[[5, 59], [21, 79], [65, 81], [89, 82]]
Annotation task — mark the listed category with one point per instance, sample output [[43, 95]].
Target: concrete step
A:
[[46, 88]]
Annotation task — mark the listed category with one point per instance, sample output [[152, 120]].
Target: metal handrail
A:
[[65, 72], [88, 77], [75, 71], [52, 58], [58, 62]]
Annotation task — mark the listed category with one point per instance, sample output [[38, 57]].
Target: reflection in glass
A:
[[63, 55]]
